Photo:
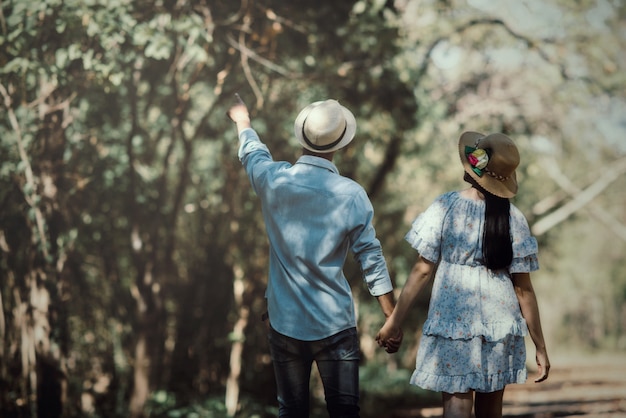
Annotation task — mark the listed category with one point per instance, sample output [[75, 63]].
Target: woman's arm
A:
[[530, 310], [387, 303], [419, 276]]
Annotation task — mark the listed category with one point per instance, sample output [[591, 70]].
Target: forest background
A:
[[132, 250]]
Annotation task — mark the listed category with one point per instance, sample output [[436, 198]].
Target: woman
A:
[[482, 301]]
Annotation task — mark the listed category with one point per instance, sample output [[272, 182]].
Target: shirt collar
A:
[[318, 162]]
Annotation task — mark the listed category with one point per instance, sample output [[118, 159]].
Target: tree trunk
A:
[[43, 379], [610, 173], [141, 380], [147, 330], [236, 352]]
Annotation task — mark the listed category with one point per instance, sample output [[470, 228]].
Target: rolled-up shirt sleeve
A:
[[249, 142], [254, 155], [367, 249]]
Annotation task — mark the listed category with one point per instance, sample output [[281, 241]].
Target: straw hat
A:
[[325, 126], [491, 160]]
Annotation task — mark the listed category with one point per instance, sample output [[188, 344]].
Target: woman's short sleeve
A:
[[425, 233], [525, 246]]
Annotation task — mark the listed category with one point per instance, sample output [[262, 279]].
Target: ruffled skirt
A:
[[459, 365]]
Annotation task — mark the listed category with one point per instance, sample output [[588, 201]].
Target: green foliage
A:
[[117, 109], [163, 405], [383, 390]]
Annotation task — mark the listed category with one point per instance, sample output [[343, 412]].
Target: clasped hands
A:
[[390, 337]]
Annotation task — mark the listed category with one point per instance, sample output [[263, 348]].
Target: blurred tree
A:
[[37, 231], [133, 256], [552, 76]]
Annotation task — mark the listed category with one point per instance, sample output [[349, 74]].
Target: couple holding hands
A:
[[475, 243]]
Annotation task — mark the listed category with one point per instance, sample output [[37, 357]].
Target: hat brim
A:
[[505, 189], [345, 140]]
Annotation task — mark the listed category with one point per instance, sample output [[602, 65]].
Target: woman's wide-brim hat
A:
[[491, 161], [325, 126]]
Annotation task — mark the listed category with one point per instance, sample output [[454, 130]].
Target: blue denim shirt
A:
[[313, 217]]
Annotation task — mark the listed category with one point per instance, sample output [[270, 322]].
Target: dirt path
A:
[[578, 387]]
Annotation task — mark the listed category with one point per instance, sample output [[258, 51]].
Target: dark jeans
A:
[[337, 359]]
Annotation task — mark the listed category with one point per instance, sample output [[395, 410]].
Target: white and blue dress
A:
[[473, 338]]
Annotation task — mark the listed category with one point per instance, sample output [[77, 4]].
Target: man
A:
[[314, 217]]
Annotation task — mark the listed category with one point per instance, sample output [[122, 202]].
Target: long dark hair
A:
[[497, 246]]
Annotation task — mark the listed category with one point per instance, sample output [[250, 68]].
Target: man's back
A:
[[313, 217]]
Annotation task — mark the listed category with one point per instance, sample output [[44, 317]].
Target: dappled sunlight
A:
[[133, 256]]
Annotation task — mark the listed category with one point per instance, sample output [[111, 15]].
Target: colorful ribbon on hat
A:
[[478, 158]]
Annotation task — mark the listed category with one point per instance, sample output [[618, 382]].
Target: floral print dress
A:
[[473, 338]]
